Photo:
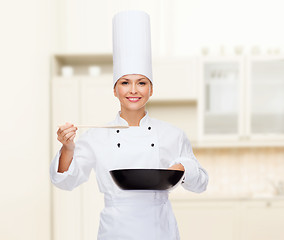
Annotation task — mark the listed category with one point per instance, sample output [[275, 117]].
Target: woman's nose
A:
[[133, 88]]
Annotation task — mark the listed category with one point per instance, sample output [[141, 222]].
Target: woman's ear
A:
[[114, 92], [151, 91]]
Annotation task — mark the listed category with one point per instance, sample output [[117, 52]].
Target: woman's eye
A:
[[124, 82], [142, 83]]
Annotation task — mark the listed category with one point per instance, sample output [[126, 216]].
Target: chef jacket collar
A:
[[121, 121]]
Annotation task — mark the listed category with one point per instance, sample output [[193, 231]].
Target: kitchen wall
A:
[[242, 172], [180, 27], [25, 48]]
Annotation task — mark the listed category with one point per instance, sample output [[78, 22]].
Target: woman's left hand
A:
[[178, 166]]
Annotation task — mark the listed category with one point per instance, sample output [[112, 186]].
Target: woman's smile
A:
[[133, 99]]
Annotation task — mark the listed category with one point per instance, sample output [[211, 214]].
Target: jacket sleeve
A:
[[195, 177], [80, 168]]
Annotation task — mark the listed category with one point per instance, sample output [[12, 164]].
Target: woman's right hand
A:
[[66, 134]]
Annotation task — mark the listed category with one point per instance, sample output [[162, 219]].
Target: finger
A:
[[72, 138], [68, 130], [64, 127], [173, 167], [67, 136]]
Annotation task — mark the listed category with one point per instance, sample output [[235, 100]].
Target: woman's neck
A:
[[133, 117]]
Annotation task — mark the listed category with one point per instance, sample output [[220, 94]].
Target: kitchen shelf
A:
[[81, 62], [179, 197], [238, 144], [172, 101]]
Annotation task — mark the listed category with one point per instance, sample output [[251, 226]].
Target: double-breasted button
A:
[[149, 128], [117, 131], [118, 145], [152, 144]]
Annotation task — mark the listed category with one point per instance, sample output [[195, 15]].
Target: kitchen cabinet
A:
[[64, 100], [98, 103], [65, 107], [241, 100], [237, 219], [206, 220], [262, 220], [80, 99], [265, 108], [221, 98]]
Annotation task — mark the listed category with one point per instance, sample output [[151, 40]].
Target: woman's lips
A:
[[133, 99]]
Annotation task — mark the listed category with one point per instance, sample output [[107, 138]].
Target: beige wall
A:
[[25, 145], [178, 27], [242, 172]]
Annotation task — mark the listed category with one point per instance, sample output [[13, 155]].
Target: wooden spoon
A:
[[100, 126]]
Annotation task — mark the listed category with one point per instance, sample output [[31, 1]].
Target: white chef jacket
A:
[[130, 214]]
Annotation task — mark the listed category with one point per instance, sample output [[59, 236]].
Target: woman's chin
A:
[[134, 107]]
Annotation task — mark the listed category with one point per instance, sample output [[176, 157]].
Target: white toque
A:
[[131, 44]]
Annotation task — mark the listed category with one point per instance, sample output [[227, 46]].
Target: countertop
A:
[[203, 197]]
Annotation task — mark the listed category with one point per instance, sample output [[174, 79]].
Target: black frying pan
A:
[[146, 179]]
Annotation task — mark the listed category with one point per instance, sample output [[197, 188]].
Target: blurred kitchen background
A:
[[218, 68]]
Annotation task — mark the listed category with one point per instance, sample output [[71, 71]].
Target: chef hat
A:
[[131, 44]]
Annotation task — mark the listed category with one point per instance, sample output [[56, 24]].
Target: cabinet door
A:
[[266, 98], [175, 79], [206, 220], [263, 220], [221, 99], [66, 204], [99, 105], [64, 105]]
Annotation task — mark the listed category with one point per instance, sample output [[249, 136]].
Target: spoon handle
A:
[[101, 126]]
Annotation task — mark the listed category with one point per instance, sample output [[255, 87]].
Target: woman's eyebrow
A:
[[130, 79]]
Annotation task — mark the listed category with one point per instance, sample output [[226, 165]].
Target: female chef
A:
[[146, 143]]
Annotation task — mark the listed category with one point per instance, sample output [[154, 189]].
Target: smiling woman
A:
[[146, 143], [133, 92]]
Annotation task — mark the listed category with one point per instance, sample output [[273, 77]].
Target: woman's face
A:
[[133, 91]]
